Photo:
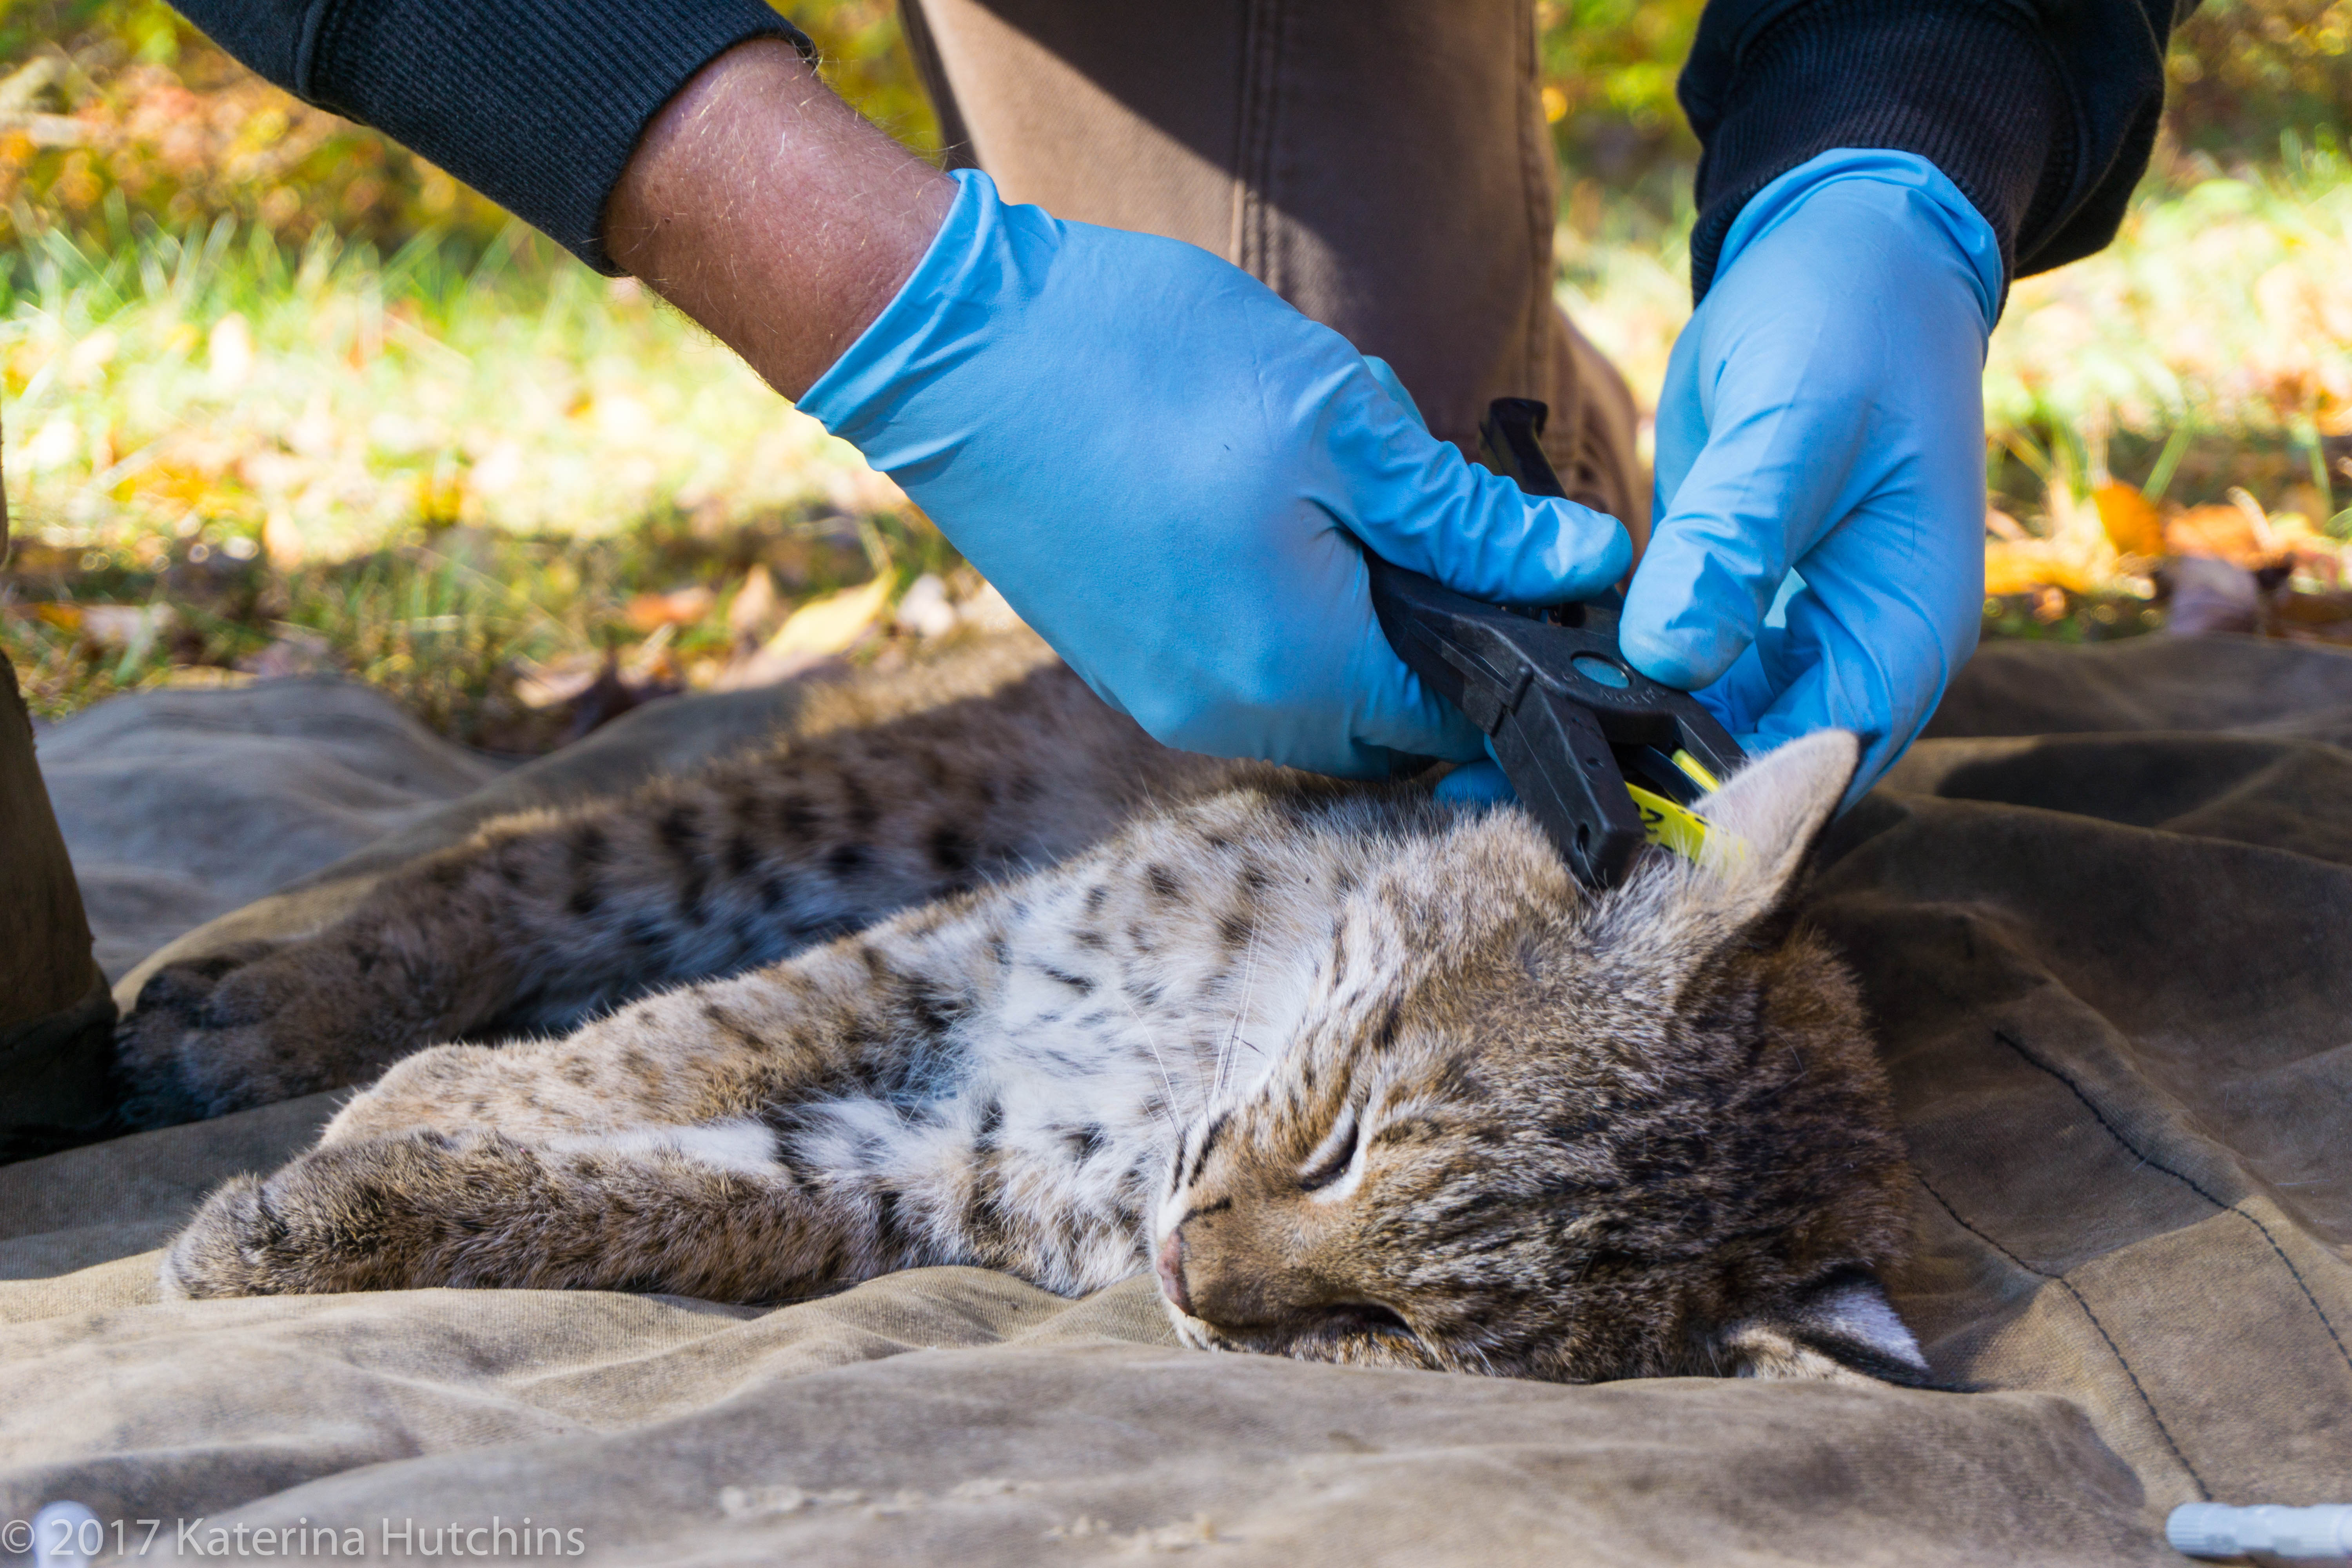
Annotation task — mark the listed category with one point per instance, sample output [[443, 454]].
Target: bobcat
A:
[[1364, 1076]]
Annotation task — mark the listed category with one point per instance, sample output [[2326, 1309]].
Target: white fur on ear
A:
[[1845, 1331], [1764, 816], [1856, 1311]]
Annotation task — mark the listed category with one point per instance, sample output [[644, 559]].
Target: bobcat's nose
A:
[[1172, 1272]]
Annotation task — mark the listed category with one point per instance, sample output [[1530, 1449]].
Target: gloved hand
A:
[[1167, 470], [1824, 411]]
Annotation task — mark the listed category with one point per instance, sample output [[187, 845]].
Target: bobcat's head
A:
[[1530, 1131]]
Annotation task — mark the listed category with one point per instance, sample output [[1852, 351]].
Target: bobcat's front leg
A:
[[652, 1149], [703, 1212]]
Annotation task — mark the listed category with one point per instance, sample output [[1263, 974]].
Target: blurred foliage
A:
[[2245, 72], [1609, 91], [115, 112], [862, 52]]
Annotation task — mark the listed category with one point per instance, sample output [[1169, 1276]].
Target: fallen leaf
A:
[[2219, 533], [831, 624], [651, 612], [923, 610], [2028, 564], [549, 685], [754, 607], [2129, 518]]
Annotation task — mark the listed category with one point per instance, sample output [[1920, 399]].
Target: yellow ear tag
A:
[[1676, 827], [1696, 771], [1673, 826]]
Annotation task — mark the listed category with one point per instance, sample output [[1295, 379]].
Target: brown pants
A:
[[57, 1017], [1382, 165]]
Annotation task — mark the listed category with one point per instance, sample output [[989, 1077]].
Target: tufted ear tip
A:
[[1844, 1330], [1767, 815]]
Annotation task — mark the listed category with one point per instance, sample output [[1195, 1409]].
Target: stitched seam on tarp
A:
[[2203, 1492], [2133, 1149]]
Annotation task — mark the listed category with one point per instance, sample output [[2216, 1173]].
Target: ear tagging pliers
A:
[[1605, 758]]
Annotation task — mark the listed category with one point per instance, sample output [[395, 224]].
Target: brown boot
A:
[[57, 1015]]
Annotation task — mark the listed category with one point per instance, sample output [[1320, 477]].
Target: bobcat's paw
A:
[[160, 1046], [323, 1223], [226, 1248], [381, 1215], [250, 1025]]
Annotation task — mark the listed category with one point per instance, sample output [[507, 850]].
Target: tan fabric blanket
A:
[[2104, 921]]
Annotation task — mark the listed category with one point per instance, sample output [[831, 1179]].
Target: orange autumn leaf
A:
[[2222, 532], [650, 612], [2129, 518], [2021, 566]]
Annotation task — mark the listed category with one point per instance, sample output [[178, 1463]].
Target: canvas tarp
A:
[[2105, 922]]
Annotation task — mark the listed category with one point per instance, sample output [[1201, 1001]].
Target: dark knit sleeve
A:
[[2041, 111], [535, 103]]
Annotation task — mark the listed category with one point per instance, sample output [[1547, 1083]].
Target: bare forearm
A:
[[768, 210]]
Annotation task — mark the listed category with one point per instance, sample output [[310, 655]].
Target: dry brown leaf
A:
[[2219, 533], [549, 685], [651, 612], [2333, 611], [754, 608]]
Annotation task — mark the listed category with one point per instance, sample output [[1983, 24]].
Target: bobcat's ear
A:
[[1844, 1330], [1767, 815]]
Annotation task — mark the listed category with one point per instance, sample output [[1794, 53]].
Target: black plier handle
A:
[[1567, 717]]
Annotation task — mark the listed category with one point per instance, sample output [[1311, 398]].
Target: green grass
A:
[[447, 468]]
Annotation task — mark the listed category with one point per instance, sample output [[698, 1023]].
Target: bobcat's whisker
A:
[[1241, 1012], [1152, 1044]]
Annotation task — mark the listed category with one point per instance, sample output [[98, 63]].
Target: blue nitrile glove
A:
[[1824, 411], [1166, 469]]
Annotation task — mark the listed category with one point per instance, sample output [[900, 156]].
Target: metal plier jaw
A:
[[1570, 721]]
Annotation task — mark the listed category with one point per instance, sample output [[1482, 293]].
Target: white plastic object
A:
[[2321, 1534], [66, 1535]]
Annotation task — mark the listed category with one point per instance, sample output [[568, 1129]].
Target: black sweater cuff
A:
[[538, 104], [1962, 85]]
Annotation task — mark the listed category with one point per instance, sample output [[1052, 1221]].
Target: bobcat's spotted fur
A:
[[1365, 1078]]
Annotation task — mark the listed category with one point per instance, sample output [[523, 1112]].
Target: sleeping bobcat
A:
[[1367, 1077]]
